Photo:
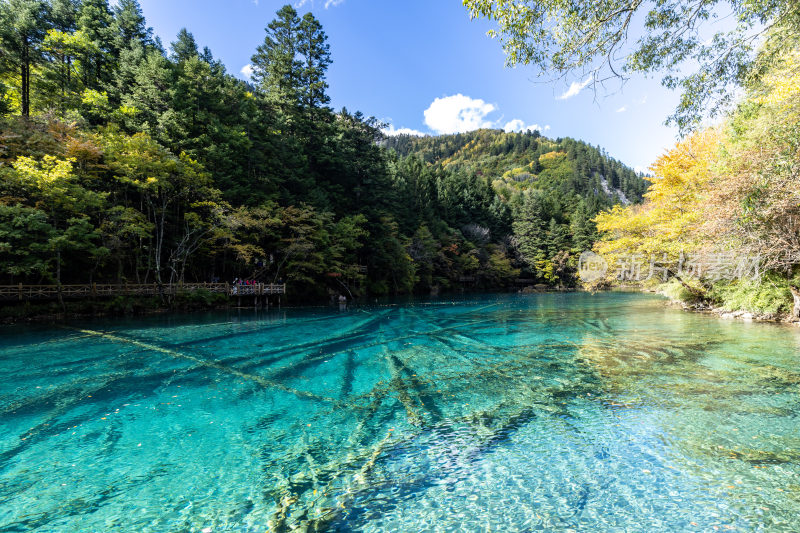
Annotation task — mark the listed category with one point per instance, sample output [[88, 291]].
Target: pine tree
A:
[[59, 83], [207, 56], [95, 21], [314, 48], [130, 26], [64, 15], [584, 232], [22, 30], [530, 229], [128, 64], [276, 67], [149, 93], [557, 238], [62, 46], [185, 47], [500, 217]]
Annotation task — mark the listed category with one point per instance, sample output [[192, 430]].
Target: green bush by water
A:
[[677, 292], [770, 294], [767, 295]]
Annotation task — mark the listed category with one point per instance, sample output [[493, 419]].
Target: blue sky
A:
[[425, 66]]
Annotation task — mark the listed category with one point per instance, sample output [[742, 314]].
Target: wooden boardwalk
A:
[[98, 290]]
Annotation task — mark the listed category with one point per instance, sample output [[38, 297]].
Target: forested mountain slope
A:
[[548, 191], [122, 159], [521, 161]]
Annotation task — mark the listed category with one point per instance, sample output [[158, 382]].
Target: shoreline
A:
[[747, 316], [726, 314], [47, 313], [145, 307], [50, 313]]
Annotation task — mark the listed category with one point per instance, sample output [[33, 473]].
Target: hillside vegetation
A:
[[124, 159], [546, 191], [721, 220], [726, 199], [521, 161]]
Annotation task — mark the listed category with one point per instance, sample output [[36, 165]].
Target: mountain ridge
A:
[[519, 161]]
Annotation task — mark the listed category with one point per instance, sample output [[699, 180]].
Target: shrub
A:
[[769, 295], [677, 292]]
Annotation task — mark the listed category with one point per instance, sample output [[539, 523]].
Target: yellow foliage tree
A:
[[756, 197], [666, 224]]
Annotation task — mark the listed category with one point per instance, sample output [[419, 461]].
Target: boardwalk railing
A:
[[48, 292], [259, 289]]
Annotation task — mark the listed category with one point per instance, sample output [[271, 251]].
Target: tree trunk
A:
[[64, 82], [25, 81], [699, 294], [58, 279], [796, 295]]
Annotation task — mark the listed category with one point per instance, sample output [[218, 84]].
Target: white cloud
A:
[[328, 3], [575, 88], [458, 114], [622, 109], [514, 125], [391, 131], [247, 71], [520, 126]]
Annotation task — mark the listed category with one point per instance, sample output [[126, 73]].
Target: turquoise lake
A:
[[503, 413]]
